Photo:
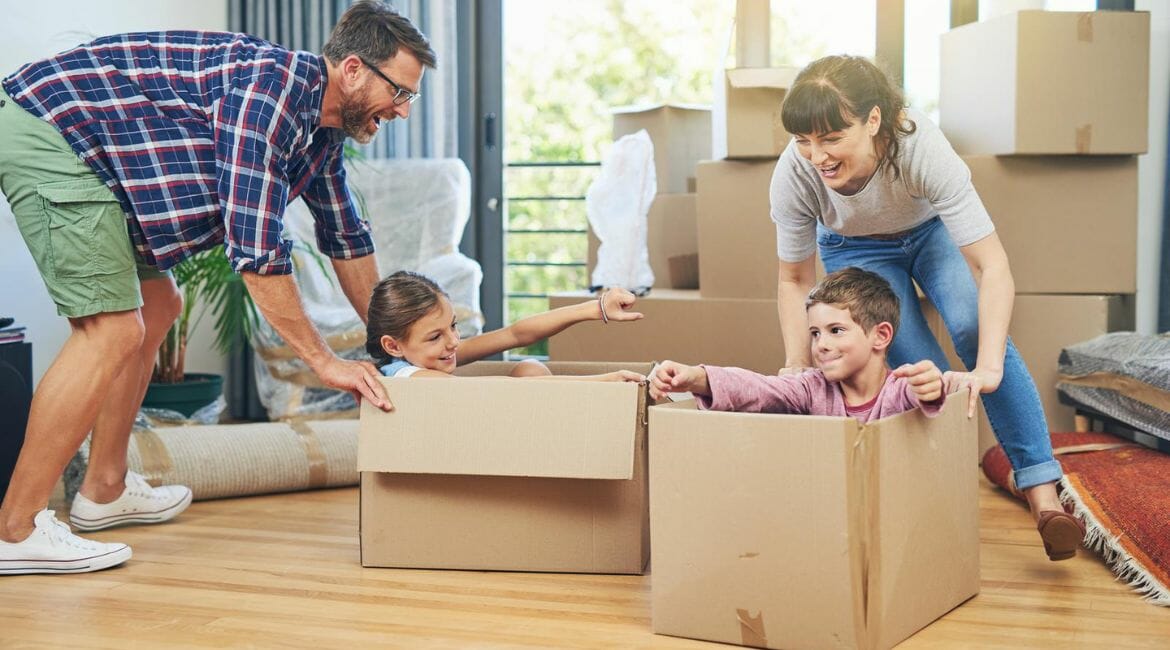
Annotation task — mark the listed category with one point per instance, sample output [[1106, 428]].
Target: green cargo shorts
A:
[[72, 223]]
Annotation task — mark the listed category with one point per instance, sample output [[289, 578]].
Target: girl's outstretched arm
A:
[[612, 305]]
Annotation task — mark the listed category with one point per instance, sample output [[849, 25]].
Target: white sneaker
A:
[[51, 548], [139, 504]]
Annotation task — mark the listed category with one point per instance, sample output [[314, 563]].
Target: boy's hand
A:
[[673, 377], [621, 375], [925, 379], [617, 304], [973, 381]]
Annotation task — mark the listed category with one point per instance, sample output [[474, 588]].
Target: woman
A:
[[870, 183]]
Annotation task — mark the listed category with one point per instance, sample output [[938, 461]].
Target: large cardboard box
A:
[[784, 531], [1051, 211], [681, 135], [737, 237], [671, 231], [1047, 82], [745, 117], [1043, 325], [679, 325], [488, 472]]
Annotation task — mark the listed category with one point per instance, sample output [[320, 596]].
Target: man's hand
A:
[[360, 378], [925, 379], [673, 377], [977, 382], [617, 303]]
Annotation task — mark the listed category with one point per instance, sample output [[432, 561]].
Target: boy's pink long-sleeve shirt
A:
[[808, 393]]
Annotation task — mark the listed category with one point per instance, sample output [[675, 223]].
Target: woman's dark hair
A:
[[375, 31], [397, 303], [833, 92]]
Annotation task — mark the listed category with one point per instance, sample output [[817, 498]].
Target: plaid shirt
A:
[[204, 137]]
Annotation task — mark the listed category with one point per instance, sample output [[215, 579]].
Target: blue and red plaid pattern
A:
[[204, 137]]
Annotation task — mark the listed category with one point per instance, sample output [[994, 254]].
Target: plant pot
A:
[[193, 393]]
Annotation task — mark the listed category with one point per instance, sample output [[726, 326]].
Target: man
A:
[[122, 157]]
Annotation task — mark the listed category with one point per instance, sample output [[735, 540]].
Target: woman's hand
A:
[[616, 304], [925, 379], [978, 382]]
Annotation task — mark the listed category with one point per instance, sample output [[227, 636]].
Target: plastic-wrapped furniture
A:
[[417, 209], [1124, 377]]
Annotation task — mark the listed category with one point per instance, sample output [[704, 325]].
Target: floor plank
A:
[[282, 571]]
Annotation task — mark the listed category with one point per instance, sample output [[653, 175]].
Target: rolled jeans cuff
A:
[[1045, 472]]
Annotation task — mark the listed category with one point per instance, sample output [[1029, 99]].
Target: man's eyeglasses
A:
[[401, 95]]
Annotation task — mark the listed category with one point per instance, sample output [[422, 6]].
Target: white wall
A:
[[34, 30], [1152, 167]]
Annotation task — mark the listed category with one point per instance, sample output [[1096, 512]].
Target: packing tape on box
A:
[[751, 628], [1085, 27], [864, 482], [1084, 138]]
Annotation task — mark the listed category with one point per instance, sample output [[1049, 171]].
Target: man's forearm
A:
[[358, 277], [279, 301]]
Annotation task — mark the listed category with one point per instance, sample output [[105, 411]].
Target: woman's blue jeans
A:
[[927, 255]]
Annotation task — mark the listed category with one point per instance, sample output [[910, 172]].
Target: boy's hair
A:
[[376, 31], [866, 295], [396, 304]]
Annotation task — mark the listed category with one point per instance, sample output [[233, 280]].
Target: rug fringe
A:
[[1100, 540]]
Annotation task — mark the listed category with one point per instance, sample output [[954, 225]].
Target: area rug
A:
[[1122, 491]]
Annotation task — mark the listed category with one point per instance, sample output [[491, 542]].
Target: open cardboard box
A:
[[792, 531], [490, 472]]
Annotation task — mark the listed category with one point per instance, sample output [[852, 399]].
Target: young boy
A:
[[852, 318]]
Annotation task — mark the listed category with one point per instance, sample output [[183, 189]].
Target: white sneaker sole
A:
[[83, 565], [122, 519]]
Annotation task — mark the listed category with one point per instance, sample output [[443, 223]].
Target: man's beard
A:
[[355, 118]]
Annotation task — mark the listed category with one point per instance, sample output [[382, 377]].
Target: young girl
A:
[[411, 332]]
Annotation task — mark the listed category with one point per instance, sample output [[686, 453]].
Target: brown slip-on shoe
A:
[[1061, 532]]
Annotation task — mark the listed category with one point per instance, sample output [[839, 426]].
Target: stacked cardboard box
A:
[[679, 325], [681, 135], [1047, 110]]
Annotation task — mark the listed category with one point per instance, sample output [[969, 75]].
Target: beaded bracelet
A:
[[601, 306]]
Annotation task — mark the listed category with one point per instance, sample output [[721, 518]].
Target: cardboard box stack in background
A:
[[1047, 82], [731, 319], [1033, 101], [524, 476], [785, 531], [681, 136], [681, 326]]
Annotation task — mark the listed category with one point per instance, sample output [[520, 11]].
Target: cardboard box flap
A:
[[762, 77], [557, 428]]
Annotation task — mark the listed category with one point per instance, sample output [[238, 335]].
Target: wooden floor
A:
[[282, 571]]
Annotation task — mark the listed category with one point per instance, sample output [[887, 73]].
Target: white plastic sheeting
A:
[[617, 204], [417, 209]]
